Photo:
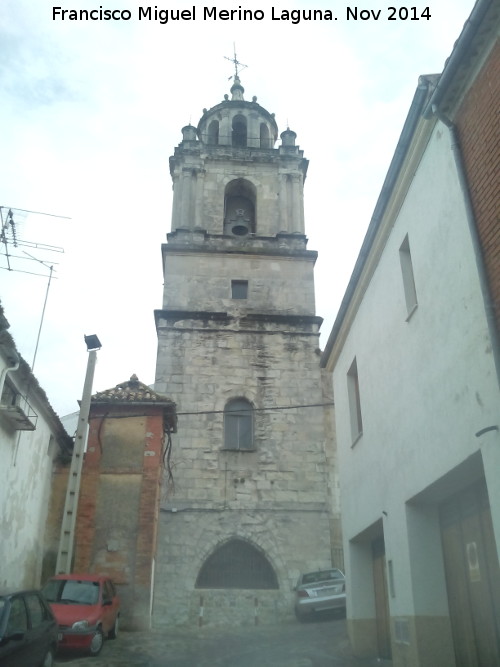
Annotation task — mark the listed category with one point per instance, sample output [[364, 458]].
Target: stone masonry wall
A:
[[275, 497], [293, 541], [280, 284]]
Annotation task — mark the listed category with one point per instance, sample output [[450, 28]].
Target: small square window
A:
[[239, 289]]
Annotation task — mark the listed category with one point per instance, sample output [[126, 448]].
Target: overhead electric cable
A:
[[276, 407]]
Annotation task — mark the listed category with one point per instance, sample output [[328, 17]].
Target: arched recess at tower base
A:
[[237, 564]]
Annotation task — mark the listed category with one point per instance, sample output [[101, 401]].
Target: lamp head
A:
[[92, 342]]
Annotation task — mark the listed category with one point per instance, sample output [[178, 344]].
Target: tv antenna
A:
[[236, 64], [12, 227], [12, 224]]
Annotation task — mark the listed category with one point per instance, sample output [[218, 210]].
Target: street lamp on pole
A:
[[67, 538]]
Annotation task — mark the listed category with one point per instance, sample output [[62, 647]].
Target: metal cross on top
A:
[[236, 63]]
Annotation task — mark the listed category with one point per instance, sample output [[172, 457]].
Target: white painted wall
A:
[[427, 385], [26, 459]]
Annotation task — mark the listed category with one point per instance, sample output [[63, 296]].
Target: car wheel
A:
[[97, 642], [113, 633], [300, 617], [48, 661]]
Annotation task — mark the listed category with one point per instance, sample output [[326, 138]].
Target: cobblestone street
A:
[[322, 643]]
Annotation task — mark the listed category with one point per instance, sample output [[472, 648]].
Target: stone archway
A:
[[237, 564]]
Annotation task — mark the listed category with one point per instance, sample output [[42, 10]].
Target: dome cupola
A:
[[232, 184], [238, 123]]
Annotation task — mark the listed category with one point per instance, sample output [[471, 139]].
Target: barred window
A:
[[239, 289], [237, 564], [238, 425]]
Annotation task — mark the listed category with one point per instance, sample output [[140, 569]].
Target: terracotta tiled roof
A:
[[133, 391], [25, 376]]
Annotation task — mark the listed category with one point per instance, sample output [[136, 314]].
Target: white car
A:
[[319, 591]]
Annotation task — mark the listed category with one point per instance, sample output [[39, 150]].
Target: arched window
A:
[[264, 136], [239, 130], [237, 564], [239, 208], [213, 133], [238, 425]]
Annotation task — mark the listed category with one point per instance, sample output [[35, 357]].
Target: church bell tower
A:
[[250, 505]]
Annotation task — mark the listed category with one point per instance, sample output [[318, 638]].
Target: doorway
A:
[[472, 577]]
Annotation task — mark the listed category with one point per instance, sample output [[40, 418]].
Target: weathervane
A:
[[236, 63]]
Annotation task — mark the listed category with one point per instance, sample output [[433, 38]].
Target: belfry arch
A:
[[264, 136], [213, 133], [239, 208], [239, 131]]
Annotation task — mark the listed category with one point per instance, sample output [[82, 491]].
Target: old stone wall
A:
[[292, 541], [275, 497], [201, 174], [204, 368], [238, 331], [281, 284], [269, 183]]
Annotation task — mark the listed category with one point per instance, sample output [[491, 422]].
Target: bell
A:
[[240, 228]]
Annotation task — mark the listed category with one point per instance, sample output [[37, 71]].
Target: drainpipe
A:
[[481, 269], [9, 369]]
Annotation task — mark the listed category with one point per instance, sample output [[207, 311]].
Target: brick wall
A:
[[118, 505], [54, 519], [478, 126]]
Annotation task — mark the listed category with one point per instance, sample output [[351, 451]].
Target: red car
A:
[[86, 608]]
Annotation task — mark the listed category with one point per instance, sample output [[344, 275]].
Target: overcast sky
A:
[[90, 112]]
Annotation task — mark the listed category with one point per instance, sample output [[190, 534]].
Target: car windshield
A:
[[71, 591], [324, 575]]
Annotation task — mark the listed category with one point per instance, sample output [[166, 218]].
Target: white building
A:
[[31, 440], [414, 356]]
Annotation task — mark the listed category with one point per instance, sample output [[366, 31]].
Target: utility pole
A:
[[67, 538]]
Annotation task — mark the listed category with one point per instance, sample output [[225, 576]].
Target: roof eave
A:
[[169, 408], [460, 51], [425, 84]]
